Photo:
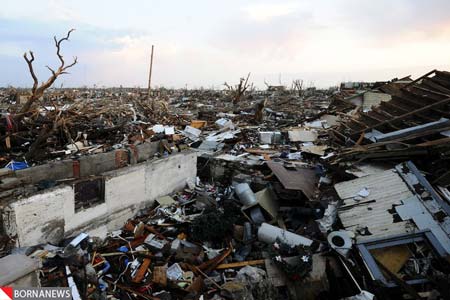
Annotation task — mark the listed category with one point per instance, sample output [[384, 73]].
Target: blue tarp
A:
[[16, 165]]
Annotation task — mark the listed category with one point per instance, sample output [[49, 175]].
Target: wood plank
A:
[[240, 264], [142, 270]]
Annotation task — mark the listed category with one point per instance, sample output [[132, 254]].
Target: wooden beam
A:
[[440, 81], [389, 104], [443, 178], [362, 124], [383, 112], [435, 142], [240, 264], [428, 82], [380, 121], [423, 76], [346, 138], [408, 97], [401, 117], [142, 271], [374, 117], [420, 87]]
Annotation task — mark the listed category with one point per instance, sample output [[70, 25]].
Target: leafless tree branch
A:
[[239, 90], [30, 67], [36, 91], [58, 46]]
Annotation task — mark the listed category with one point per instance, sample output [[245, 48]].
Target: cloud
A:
[[265, 32], [267, 11], [203, 42], [389, 20]]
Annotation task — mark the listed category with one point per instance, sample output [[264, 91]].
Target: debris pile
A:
[[300, 194], [195, 242]]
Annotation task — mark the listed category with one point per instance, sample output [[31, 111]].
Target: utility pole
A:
[[150, 73]]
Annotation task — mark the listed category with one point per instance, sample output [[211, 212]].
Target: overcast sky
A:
[[204, 43]]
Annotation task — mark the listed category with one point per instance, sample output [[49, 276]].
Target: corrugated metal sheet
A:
[[385, 190]]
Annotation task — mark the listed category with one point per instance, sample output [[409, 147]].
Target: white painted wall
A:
[[50, 215], [40, 218]]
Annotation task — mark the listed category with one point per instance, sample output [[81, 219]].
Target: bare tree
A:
[[297, 86], [38, 90], [238, 91]]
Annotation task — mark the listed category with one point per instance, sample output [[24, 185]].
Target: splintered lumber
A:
[[142, 270], [240, 264], [213, 263], [207, 277]]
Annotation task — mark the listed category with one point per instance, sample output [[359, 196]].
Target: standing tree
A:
[[239, 90], [297, 87], [38, 90]]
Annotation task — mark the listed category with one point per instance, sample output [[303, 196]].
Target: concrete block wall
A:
[[103, 162], [89, 165], [39, 218], [53, 170], [50, 215]]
